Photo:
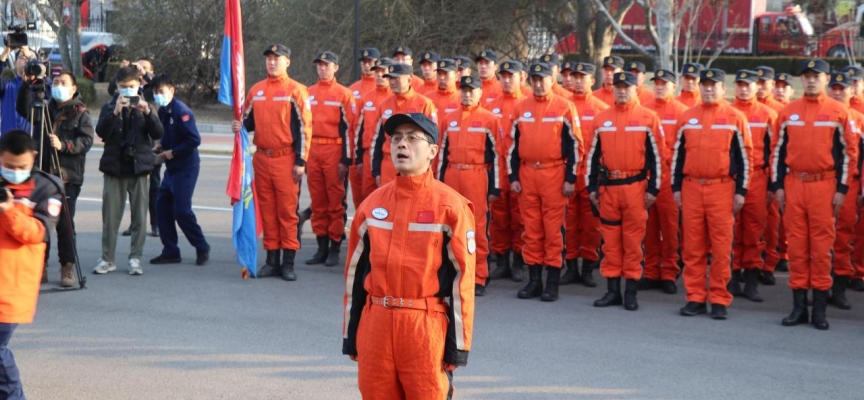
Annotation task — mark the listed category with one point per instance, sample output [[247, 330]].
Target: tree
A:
[[54, 12]]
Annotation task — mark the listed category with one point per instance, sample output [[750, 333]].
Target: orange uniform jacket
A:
[[645, 96], [774, 104], [333, 113], [588, 106], [429, 87], [281, 117], [365, 85], [24, 230], [446, 101], [668, 110], [546, 131], [366, 123], [491, 91], [690, 99], [703, 130], [470, 138], [503, 108], [857, 103], [414, 239], [410, 102], [559, 90], [605, 95], [762, 121]]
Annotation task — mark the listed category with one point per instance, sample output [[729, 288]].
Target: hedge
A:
[[87, 90], [791, 65]]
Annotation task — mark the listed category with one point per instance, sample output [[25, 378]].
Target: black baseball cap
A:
[[785, 78], [628, 78], [855, 72], [467, 81], [815, 65], [430, 57], [403, 50], [446, 64], [278, 50], [746, 75], [691, 69], [462, 62], [613, 61], [398, 69], [510, 66], [765, 73], [426, 125], [584, 68], [713, 75], [665, 75], [840, 78], [369, 53], [551, 58], [488, 55], [327, 56], [540, 69], [383, 63], [636, 66]]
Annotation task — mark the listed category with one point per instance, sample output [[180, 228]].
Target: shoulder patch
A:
[[185, 118], [54, 207]]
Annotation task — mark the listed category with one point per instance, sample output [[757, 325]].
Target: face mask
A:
[[61, 93], [161, 100], [14, 176], [130, 92]]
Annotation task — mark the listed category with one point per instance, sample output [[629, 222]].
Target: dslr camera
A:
[[17, 38]]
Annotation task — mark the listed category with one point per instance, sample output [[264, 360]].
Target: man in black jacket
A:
[[70, 136], [127, 125]]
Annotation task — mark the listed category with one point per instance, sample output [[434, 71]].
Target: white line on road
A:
[[204, 208], [213, 156]]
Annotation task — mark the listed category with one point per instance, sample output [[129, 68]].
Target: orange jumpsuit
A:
[[429, 87], [605, 95], [775, 237], [409, 288], [526, 91], [559, 90], [690, 99], [645, 96], [365, 85], [358, 89], [469, 164], [811, 161], [491, 91], [582, 227], [711, 164], [364, 129], [281, 118], [505, 231], [410, 102], [750, 225], [661, 236], [547, 147], [333, 113], [857, 104], [848, 216], [624, 163]]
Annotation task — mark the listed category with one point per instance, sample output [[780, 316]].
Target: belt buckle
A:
[[616, 174], [704, 181], [385, 302], [267, 152], [803, 176], [537, 165], [460, 166]]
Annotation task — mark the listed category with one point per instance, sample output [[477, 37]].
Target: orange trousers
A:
[[326, 191], [707, 223], [355, 179], [505, 229], [622, 226], [400, 353], [473, 184], [543, 206], [365, 170], [583, 228], [661, 236], [747, 244], [845, 231], [773, 244], [858, 251], [277, 199], [809, 221]]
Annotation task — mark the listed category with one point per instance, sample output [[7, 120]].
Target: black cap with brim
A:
[[462, 62], [397, 70], [487, 55], [855, 72], [665, 75], [383, 63], [747, 76], [628, 78], [784, 78], [447, 65], [584, 68], [765, 73], [510, 66], [278, 50], [328, 57], [426, 125], [691, 69], [402, 50], [369, 53], [840, 79], [430, 57], [613, 62], [540, 69], [469, 82], [713, 75], [636, 66], [815, 65], [551, 59]]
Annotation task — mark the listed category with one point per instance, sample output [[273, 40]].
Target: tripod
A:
[[39, 119]]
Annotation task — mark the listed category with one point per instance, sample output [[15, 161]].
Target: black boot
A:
[[782, 266], [572, 275], [517, 269], [271, 266], [645, 284], [820, 302], [534, 287], [751, 282], [630, 302], [333, 254], [799, 313], [587, 269], [502, 266], [613, 294], [857, 285], [320, 256], [553, 278], [838, 293], [288, 273], [734, 285], [767, 278]]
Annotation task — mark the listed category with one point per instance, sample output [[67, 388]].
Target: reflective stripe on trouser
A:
[[707, 219], [747, 244], [277, 198], [622, 226], [543, 205], [661, 236], [356, 181], [845, 230], [326, 191], [772, 237], [583, 228], [474, 185], [400, 353], [505, 229], [809, 221]]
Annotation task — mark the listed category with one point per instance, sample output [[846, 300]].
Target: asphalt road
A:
[[188, 332]]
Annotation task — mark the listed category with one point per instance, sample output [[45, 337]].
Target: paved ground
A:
[[187, 332]]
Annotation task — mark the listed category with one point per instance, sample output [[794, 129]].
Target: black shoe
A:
[[502, 266], [271, 266], [534, 288], [320, 256], [154, 231], [820, 302], [493, 258], [587, 269], [630, 302], [127, 232], [303, 216], [838, 293], [553, 278], [718, 311], [693, 308], [799, 313], [613, 294], [751, 282], [668, 287], [165, 260], [517, 269], [288, 273], [767, 278], [782, 266], [572, 275], [333, 253], [734, 285], [202, 255], [857, 285], [479, 290], [648, 284]]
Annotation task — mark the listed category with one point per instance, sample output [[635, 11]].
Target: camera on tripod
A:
[[17, 38]]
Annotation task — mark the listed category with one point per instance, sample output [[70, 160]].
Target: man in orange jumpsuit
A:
[[367, 124], [404, 55], [463, 64], [567, 76], [404, 100], [547, 147], [644, 95], [582, 226], [409, 298], [765, 85], [810, 178], [28, 214], [624, 173], [711, 169], [279, 113], [611, 65], [783, 89], [554, 62], [333, 113], [469, 163], [747, 245], [487, 65], [428, 66], [661, 237], [505, 231], [366, 84], [856, 73], [446, 98], [690, 85]]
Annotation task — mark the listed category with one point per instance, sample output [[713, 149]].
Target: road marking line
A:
[[204, 208], [213, 156]]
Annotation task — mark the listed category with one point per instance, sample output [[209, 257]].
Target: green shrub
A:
[[87, 89], [787, 64]]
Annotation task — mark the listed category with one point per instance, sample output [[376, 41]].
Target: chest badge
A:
[[260, 93], [496, 111], [453, 123], [693, 121], [380, 213], [527, 114], [794, 117], [607, 124], [388, 112], [368, 104]]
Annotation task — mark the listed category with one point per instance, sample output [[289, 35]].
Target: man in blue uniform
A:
[[179, 149]]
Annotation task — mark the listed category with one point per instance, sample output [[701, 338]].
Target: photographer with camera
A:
[[9, 118], [29, 207], [69, 138], [127, 125]]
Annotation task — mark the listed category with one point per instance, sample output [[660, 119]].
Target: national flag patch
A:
[[720, 121], [551, 114], [633, 123], [425, 217], [476, 124], [185, 118], [755, 119], [822, 118]]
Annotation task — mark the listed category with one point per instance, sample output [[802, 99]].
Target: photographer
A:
[[127, 125], [9, 90], [29, 207], [70, 138]]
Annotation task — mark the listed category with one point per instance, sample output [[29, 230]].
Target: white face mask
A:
[[14, 176], [161, 100], [128, 92], [61, 94]]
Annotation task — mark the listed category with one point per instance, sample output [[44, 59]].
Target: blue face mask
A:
[[161, 100], [14, 176], [61, 94], [130, 92]]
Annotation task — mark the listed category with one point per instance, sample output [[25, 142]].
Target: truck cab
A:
[[783, 33]]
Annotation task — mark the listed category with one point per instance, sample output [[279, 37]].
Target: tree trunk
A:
[[665, 33], [75, 38]]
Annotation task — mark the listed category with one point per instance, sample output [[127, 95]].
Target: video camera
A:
[[17, 38]]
